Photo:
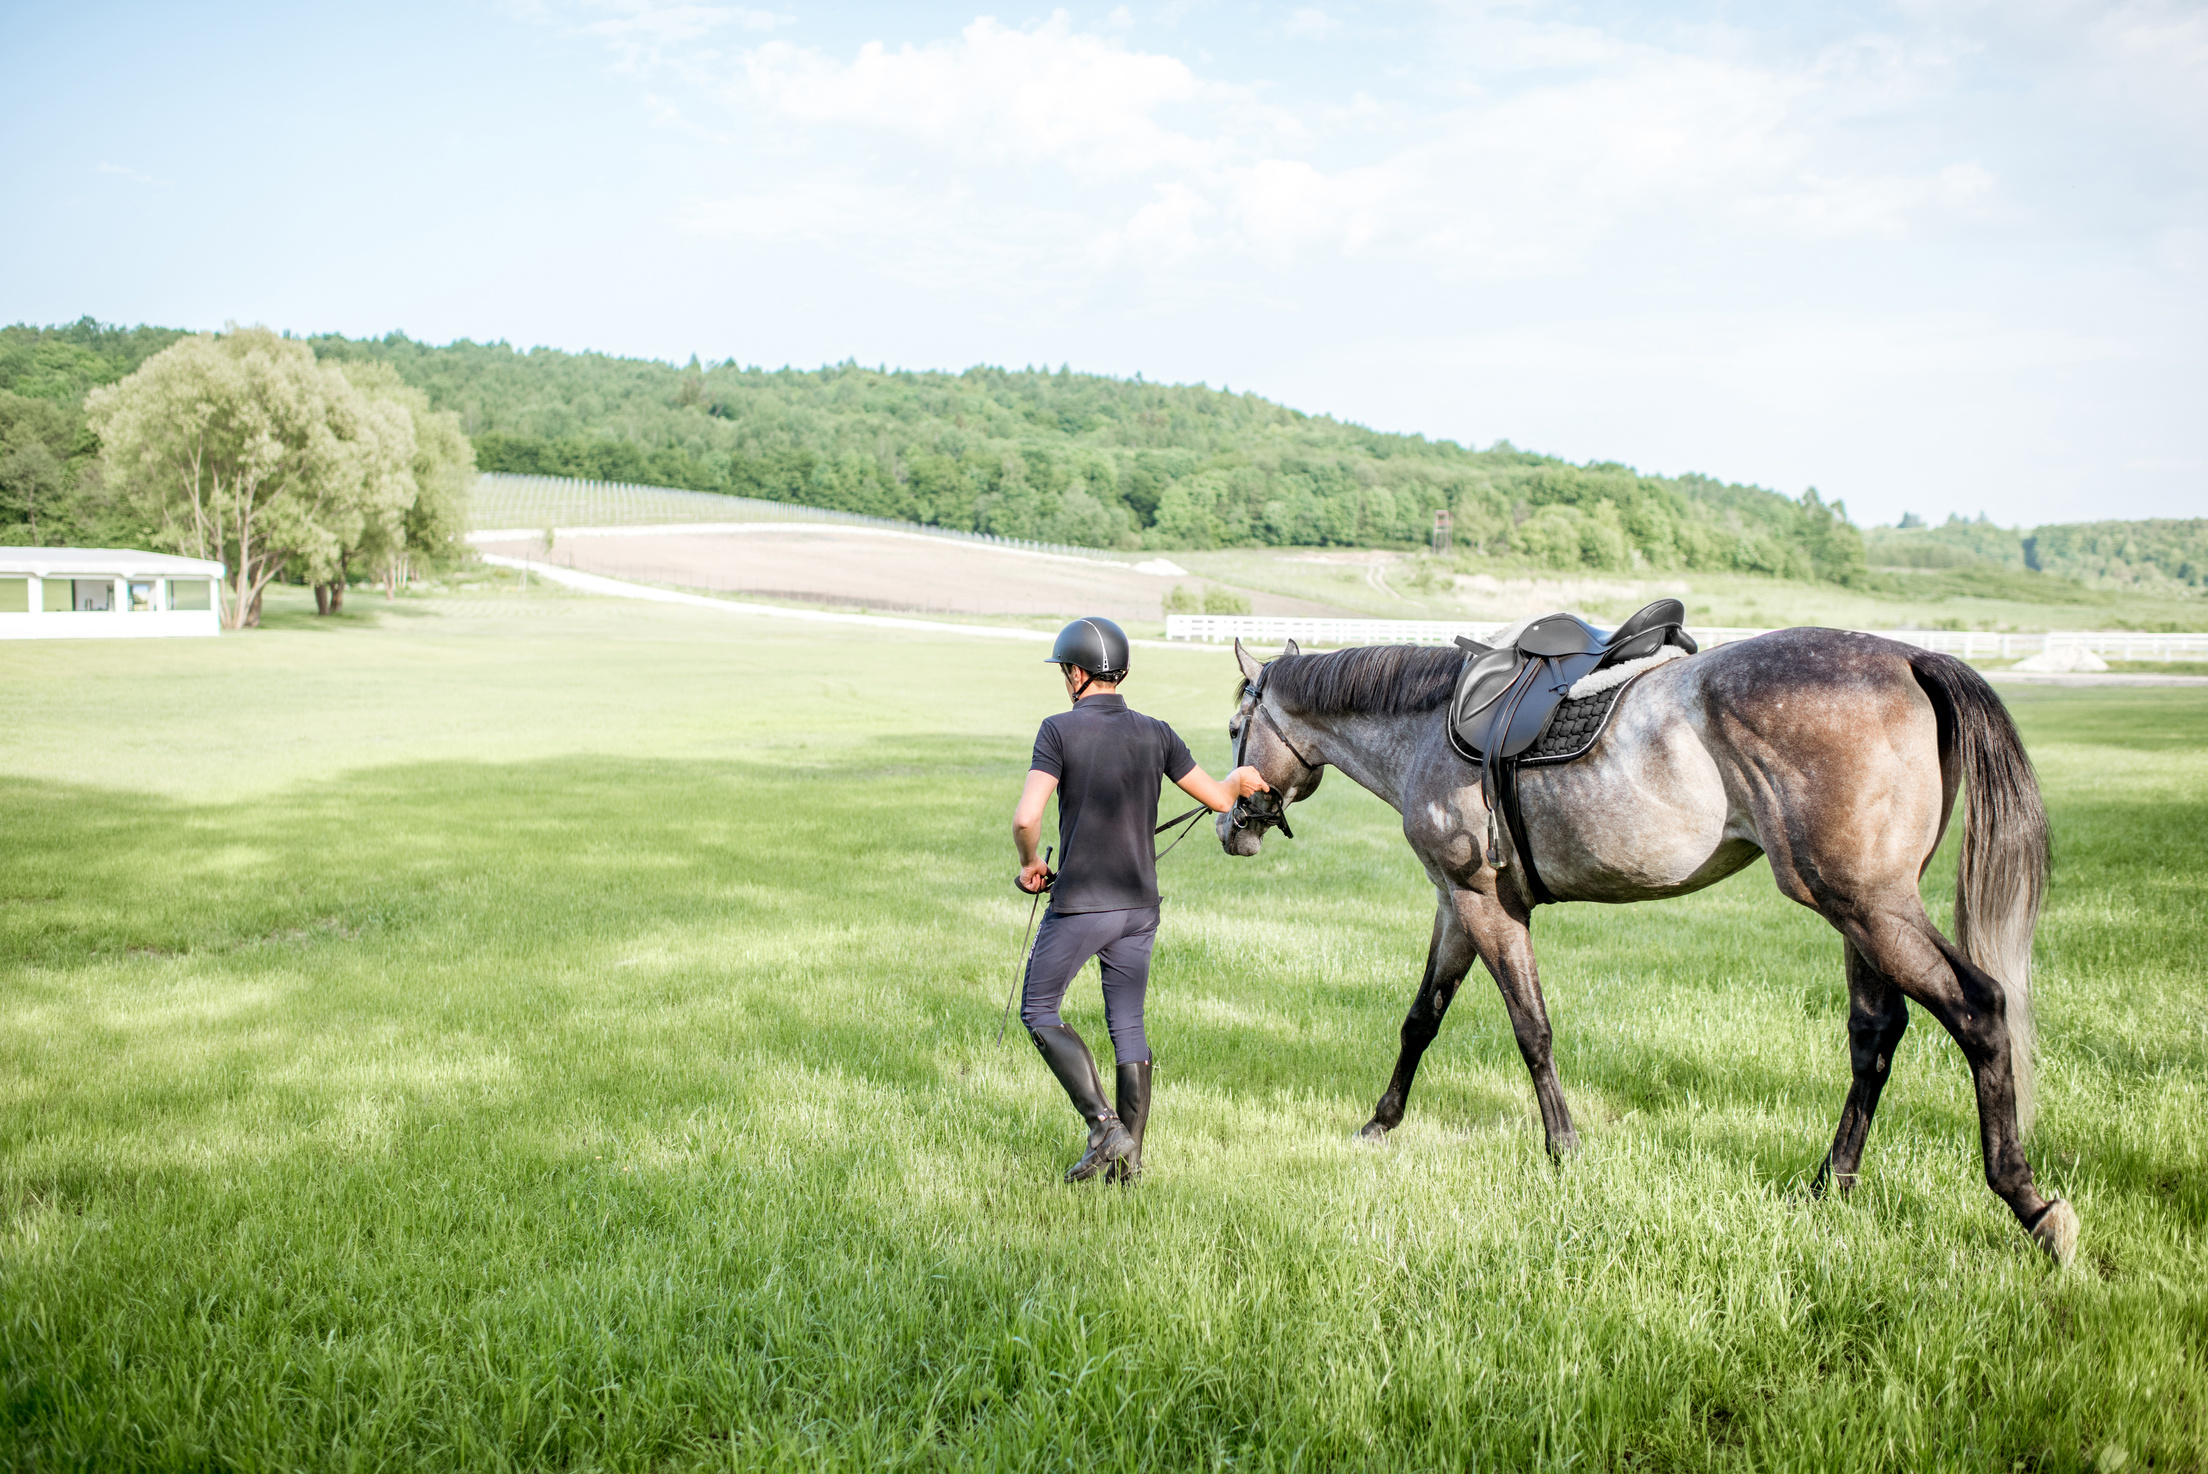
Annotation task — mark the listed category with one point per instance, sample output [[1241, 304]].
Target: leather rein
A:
[[1247, 811]]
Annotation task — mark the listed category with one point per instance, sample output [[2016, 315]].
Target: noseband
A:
[[1272, 813]]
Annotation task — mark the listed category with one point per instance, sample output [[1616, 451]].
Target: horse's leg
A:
[[1505, 943], [1878, 1013], [1448, 959], [1471, 923], [1973, 1008]]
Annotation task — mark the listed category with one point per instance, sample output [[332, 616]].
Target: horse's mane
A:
[[1372, 680]]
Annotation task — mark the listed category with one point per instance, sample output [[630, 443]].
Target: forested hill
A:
[[1085, 459], [2166, 555], [1054, 456], [49, 478]]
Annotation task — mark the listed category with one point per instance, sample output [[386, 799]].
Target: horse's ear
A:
[[1291, 648], [1252, 671]]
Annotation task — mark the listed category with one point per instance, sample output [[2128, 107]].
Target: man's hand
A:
[[1035, 877], [1220, 797]]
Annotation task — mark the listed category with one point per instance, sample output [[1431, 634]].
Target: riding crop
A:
[[1005, 1022]]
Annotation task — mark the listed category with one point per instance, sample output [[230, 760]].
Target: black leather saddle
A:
[[1508, 695]]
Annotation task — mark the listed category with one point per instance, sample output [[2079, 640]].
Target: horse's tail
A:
[[2002, 876]]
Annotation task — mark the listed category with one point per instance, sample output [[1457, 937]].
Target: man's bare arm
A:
[[1027, 827], [1216, 795]]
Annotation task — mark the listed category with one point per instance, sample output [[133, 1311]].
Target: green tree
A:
[[1225, 601], [247, 449], [1834, 546], [35, 476], [432, 519], [1188, 513], [31, 479]]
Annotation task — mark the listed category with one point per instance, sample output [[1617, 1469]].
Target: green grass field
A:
[[507, 1030], [1419, 587]]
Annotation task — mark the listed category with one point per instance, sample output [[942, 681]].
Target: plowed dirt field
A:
[[865, 568]]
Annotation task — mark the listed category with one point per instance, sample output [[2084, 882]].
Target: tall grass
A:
[[514, 1032]]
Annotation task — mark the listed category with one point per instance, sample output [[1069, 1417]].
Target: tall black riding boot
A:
[[1134, 1114], [1070, 1061]]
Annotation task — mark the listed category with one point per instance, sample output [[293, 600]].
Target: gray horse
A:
[[1836, 755]]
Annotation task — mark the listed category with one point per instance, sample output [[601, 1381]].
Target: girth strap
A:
[[1506, 789], [1499, 781]]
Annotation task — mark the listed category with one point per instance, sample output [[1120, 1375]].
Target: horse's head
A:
[[1262, 743]]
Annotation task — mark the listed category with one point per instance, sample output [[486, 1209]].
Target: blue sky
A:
[[1940, 256]]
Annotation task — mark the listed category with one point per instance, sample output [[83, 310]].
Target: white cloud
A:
[[1163, 232], [1048, 94], [642, 34], [1886, 206], [1694, 248], [2171, 36], [1558, 137], [1928, 251]]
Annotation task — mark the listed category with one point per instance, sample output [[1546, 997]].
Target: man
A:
[[1103, 760]]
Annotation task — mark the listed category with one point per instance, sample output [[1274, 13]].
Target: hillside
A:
[[49, 473], [1081, 458], [1085, 459], [2164, 556]]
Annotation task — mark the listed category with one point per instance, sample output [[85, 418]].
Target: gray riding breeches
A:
[[1120, 941]]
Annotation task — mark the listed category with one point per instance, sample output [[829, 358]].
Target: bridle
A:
[[1263, 811], [1259, 811]]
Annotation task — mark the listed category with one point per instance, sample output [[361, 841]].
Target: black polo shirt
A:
[[1108, 761]]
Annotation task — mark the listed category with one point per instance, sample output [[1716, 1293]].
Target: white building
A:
[[105, 593]]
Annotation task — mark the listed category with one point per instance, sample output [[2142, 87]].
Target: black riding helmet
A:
[[1097, 646]]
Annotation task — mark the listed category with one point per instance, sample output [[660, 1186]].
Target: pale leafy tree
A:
[[250, 451], [443, 468], [366, 521]]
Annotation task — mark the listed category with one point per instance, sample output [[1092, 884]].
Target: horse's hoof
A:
[[1373, 1133], [2057, 1232], [1562, 1147]]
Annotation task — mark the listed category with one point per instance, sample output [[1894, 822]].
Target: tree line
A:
[[2154, 556], [243, 446], [52, 492], [1030, 453], [1085, 459]]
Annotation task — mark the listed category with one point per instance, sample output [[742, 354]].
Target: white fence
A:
[[2129, 645], [1970, 644], [1259, 629]]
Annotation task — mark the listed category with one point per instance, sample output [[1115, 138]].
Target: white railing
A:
[[1970, 644], [1261, 629], [2131, 645]]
